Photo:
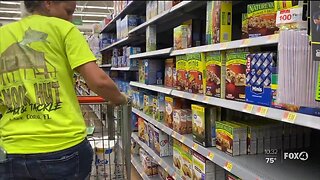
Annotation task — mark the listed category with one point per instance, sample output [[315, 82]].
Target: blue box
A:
[[153, 72], [258, 78]]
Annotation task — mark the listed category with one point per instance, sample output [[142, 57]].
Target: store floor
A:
[[134, 174]]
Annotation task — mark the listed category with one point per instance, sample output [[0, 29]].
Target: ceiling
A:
[[89, 12]]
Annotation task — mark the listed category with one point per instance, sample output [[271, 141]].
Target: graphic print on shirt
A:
[[28, 81]]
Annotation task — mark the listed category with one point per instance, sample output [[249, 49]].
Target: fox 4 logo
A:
[[303, 156]]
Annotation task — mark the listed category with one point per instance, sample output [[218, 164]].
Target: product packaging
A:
[[196, 73], [182, 73], [280, 5], [151, 38], [153, 72], [148, 104], [261, 19], [236, 74], [215, 69], [177, 158], [141, 129], [168, 76], [244, 26], [161, 142], [180, 37], [159, 107], [186, 167], [203, 124], [259, 75], [221, 21], [171, 104]]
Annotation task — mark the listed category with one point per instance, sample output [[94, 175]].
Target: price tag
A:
[[182, 139], [210, 156], [245, 42], [288, 16], [228, 166], [248, 108], [206, 99], [174, 135], [223, 46], [194, 96], [289, 116], [195, 146], [160, 162], [166, 169], [262, 111]]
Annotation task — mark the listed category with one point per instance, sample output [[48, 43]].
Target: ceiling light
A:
[[10, 12], [10, 18], [90, 15], [95, 7], [8, 2], [90, 21]]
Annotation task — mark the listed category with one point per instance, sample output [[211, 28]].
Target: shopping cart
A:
[[109, 132]]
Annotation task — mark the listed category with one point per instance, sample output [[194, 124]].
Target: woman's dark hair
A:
[[31, 5]]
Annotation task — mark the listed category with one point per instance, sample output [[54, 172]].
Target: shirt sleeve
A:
[[77, 49]]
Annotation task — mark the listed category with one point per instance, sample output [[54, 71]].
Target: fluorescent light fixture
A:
[[10, 12], [10, 3], [94, 7], [91, 21], [90, 15], [10, 18]]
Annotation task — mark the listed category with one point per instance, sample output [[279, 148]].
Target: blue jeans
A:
[[70, 164]]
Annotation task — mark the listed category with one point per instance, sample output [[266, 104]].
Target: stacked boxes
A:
[[161, 143], [168, 75], [186, 165], [177, 158], [236, 74], [151, 72], [196, 73], [205, 169], [261, 19], [150, 167], [259, 74], [151, 38], [215, 70], [182, 73], [203, 124], [159, 107], [244, 26], [180, 36], [171, 104]]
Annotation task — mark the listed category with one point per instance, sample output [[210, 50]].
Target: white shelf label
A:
[[288, 16]]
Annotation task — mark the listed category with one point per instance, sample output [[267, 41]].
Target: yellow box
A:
[[182, 73], [221, 22], [196, 72]]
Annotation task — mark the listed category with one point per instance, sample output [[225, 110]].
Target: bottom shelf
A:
[[137, 165]]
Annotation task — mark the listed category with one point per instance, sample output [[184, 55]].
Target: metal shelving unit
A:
[[248, 167], [160, 89], [158, 53], [135, 162], [124, 69]]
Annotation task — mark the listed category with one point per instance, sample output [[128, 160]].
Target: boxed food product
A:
[[130, 22], [142, 129], [161, 6], [180, 37], [182, 73], [232, 177], [174, 74], [196, 73], [170, 146], [215, 69], [228, 137], [171, 104], [151, 38], [159, 107], [209, 22], [261, 19], [148, 104], [221, 21], [243, 137], [280, 5], [152, 71], [186, 167], [204, 169], [149, 165], [236, 75], [203, 124], [258, 81], [179, 125], [134, 147], [154, 9], [188, 116], [168, 76], [177, 158], [161, 142], [244, 26], [151, 136], [162, 173], [134, 122]]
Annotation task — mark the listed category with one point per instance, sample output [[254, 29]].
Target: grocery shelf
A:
[[124, 69], [105, 65], [156, 88], [157, 124], [247, 167], [250, 42], [118, 43], [135, 162], [157, 53], [165, 162], [132, 6], [272, 113]]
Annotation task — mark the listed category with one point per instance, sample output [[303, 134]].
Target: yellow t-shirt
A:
[[37, 99]]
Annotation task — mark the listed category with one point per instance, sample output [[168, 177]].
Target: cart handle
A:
[[90, 99]]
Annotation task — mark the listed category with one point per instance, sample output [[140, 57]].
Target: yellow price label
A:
[[206, 99], [248, 108], [262, 111], [174, 134], [228, 166], [195, 146], [210, 156], [182, 139], [245, 42], [223, 46], [166, 168], [289, 116], [194, 96]]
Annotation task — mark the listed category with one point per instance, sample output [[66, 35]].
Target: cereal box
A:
[[221, 21], [261, 19], [215, 69], [168, 76], [174, 74], [236, 75], [196, 73], [151, 38], [228, 137], [188, 116], [206, 170], [180, 37], [141, 129], [159, 107], [258, 81], [244, 26], [148, 104], [151, 136], [243, 137], [179, 125], [152, 71], [209, 22], [161, 142], [177, 158], [182, 73], [171, 104], [186, 167], [280, 5], [203, 124]]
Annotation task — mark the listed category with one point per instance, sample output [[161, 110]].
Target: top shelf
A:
[[131, 7]]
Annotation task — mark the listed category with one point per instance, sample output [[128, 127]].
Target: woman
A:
[[42, 131]]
